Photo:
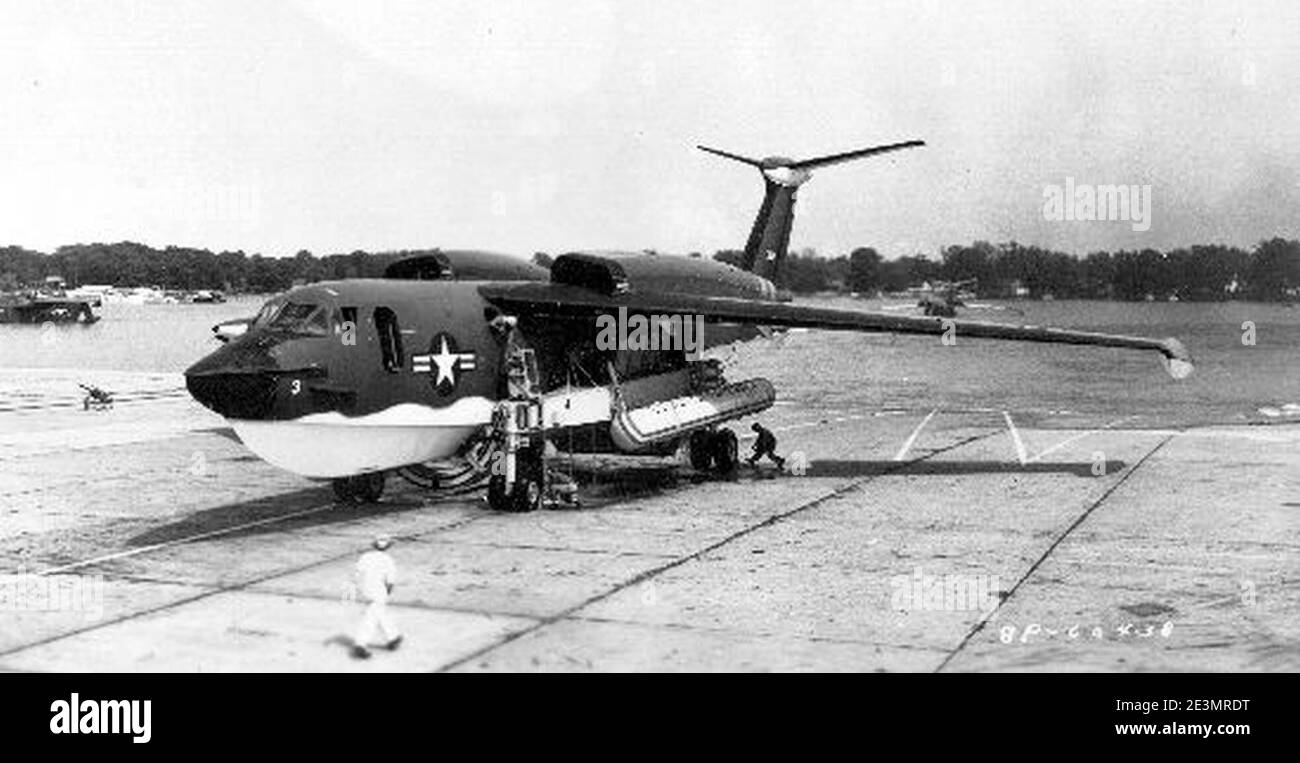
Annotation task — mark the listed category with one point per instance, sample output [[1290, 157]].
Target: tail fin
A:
[[770, 237]]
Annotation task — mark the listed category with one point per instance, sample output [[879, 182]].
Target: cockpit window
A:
[[267, 311], [301, 318]]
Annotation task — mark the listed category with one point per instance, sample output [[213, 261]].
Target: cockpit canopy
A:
[[306, 318]]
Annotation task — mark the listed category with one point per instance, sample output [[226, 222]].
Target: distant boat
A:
[[208, 296], [157, 296], [90, 294], [38, 308], [140, 295]]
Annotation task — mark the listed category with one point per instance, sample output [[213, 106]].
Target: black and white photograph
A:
[[469, 336]]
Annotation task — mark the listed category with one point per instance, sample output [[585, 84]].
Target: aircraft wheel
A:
[[701, 450], [369, 487], [726, 451], [526, 494]]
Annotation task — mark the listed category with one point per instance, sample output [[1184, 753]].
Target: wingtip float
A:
[[1176, 359]]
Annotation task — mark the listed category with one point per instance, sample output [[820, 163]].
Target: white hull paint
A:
[[331, 445]]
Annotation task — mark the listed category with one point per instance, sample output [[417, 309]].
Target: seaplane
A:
[[457, 368]]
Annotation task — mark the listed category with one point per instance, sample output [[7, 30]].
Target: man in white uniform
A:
[[375, 575]]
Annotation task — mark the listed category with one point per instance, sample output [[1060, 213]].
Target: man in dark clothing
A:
[[765, 445]]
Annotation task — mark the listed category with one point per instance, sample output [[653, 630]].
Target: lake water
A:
[[148, 338], [146, 346]]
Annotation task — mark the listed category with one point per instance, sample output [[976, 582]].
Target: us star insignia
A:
[[443, 357]]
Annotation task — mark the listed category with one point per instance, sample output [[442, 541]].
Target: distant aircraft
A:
[[460, 365], [942, 298]]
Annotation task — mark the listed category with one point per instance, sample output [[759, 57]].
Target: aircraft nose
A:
[[238, 381], [265, 376]]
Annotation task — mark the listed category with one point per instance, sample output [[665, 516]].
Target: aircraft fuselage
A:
[[349, 377]]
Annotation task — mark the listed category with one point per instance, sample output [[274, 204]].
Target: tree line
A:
[[1268, 272], [129, 264]]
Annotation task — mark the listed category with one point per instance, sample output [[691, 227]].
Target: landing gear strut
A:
[[518, 473], [361, 488]]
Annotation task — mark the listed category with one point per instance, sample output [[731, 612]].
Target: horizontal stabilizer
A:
[[736, 157], [825, 161], [773, 162]]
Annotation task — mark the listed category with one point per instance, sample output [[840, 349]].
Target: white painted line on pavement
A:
[[902, 453]]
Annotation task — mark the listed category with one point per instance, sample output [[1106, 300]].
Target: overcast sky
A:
[[529, 126]]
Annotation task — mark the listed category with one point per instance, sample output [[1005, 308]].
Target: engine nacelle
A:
[[624, 273], [456, 265]]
